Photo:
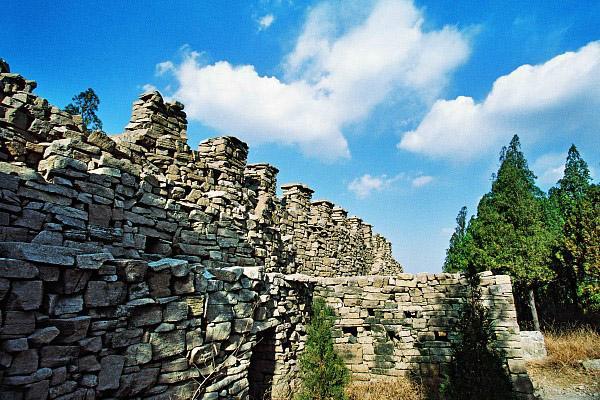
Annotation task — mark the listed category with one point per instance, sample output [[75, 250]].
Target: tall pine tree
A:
[[510, 234], [578, 261], [457, 254]]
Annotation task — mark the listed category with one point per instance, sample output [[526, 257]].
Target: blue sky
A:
[[395, 110]]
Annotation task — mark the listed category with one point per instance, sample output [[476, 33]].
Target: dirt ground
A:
[[575, 384]]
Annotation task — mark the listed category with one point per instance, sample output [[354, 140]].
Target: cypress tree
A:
[[457, 254], [510, 233], [323, 372], [577, 252]]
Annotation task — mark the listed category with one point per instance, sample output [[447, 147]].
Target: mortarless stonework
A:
[[134, 267]]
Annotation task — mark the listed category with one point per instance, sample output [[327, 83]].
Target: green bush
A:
[[322, 371], [476, 370]]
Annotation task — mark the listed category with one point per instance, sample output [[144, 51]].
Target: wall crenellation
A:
[[132, 266]]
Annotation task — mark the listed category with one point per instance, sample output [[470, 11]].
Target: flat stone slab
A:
[[591, 365], [533, 345], [55, 255], [20, 269], [166, 263], [110, 373]]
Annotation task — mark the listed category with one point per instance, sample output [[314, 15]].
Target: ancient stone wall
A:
[[144, 194], [134, 267], [129, 328]]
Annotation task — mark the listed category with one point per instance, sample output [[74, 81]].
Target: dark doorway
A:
[[262, 366]]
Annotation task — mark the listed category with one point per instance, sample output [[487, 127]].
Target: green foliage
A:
[[476, 370], [86, 104], [577, 253], [458, 253], [573, 186], [581, 248], [323, 372], [547, 244], [510, 233]]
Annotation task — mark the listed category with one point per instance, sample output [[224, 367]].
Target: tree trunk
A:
[[575, 296], [532, 307]]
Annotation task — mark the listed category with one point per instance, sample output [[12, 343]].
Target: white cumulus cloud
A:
[[558, 97], [365, 185], [330, 79], [265, 22]]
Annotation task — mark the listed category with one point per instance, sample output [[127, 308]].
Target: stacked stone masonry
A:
[[134, 267]]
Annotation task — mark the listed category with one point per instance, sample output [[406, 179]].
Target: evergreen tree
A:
[[576, 253], [580, 250], [589, 284], [576, 180], [510, 234], [86, 104], [324, 374], [457, 254]]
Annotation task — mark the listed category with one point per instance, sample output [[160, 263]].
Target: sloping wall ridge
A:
[[145, 193], [134, 267]]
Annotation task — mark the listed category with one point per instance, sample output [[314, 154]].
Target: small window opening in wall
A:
[[392, 334], [441, 336], [371, 312], [410, 314], [252, 183], [152, 245], [351, 330]]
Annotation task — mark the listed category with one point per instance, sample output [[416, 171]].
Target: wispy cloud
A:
[[148, 88], [421, 180], [331, 79], [164, 67], [265, 22], [447, 231], [549, 168], [558, 97], [364, 186]]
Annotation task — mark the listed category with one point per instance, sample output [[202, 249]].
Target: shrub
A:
[[322, 371]]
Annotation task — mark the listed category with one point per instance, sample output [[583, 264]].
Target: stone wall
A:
[[134, 267], [402, 324], [145, 194], [129, 328]]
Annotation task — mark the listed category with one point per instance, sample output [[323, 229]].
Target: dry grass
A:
[[399, 388], [566, 350]]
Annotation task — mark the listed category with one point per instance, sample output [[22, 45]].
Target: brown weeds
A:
[[567, 348], [399, 388]]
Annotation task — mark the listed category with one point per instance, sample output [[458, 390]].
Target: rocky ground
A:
[[576, 392]]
